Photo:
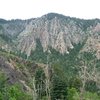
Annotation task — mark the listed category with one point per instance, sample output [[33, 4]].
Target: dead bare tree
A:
[[47, 74], [83, 76], [34, 90], [88, 71]]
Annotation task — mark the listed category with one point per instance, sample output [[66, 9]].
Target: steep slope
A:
[[9, 31], [93, 41], [57, 32], [52, 30], [16, 70]]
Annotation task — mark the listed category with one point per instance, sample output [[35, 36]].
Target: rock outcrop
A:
[[53, 30]]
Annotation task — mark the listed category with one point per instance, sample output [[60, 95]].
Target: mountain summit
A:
[[52, 30]]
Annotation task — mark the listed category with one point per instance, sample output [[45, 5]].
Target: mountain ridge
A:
[[55, 30]]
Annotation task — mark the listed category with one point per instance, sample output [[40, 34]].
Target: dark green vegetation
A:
[[13, 92], [65, 80]]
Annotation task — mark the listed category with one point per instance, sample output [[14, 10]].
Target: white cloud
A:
[[24, 9]]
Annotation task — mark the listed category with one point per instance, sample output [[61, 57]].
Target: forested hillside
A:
[[53, 57]]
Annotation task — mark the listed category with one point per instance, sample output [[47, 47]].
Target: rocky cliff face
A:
[[53, 30], [56, 32]]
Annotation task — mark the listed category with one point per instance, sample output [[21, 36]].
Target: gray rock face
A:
[[54, 30]]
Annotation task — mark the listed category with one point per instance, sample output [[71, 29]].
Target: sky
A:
[[25, 9]]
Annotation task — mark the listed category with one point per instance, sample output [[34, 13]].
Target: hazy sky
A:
[[24, 9]]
